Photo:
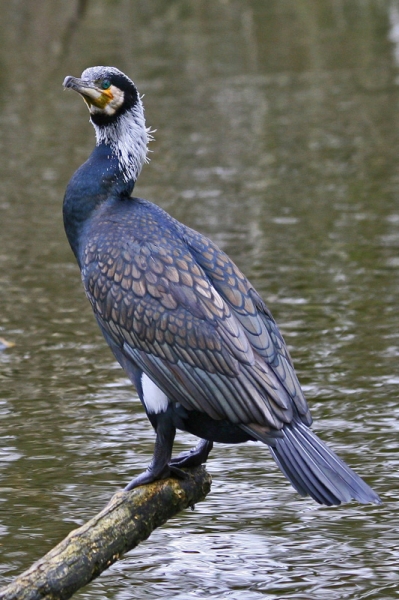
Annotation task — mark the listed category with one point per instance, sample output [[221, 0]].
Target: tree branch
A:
[[128, 519]]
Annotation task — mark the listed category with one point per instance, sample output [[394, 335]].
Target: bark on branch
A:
[[128, 519]]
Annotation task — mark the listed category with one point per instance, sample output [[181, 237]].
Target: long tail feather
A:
[[315, 470]]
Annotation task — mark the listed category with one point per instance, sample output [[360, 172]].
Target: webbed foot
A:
[[194, 457], [151, 475]]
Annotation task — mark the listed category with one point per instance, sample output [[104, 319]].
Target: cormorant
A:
[[191, 332]]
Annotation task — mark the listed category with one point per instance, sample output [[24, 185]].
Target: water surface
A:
[[278, 137]]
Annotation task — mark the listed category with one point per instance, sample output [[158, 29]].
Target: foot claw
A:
[[178, 473]]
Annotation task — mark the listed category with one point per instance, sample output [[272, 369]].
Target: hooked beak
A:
[[90, 93]]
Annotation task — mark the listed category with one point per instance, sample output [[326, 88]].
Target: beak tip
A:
[[67, 81]]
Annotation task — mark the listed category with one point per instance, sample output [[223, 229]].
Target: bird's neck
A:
[[101, 178], [110, 172], [127, 137]]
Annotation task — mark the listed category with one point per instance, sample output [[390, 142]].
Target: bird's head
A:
[[117, 114], [107, 92]]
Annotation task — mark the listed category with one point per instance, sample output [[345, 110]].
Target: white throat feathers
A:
[[128, 139]]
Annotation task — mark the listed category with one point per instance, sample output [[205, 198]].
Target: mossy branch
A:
[[127, 520]]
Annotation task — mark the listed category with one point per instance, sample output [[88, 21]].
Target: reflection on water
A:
[[277, 135]]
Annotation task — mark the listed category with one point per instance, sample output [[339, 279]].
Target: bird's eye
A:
[[105, 84]]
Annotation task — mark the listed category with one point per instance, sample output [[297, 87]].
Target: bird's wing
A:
[[166, 313], [252, 313]]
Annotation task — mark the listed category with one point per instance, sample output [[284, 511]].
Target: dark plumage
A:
[[189, 329]]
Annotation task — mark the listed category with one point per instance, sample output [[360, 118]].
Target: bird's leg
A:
[[195, 457], [159, 467]]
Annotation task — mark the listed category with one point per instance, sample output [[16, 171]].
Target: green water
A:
[[278, 137]]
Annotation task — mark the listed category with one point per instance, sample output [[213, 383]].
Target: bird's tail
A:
[[315, 470]]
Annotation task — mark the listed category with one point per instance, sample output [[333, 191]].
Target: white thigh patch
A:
[[154, 399]]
